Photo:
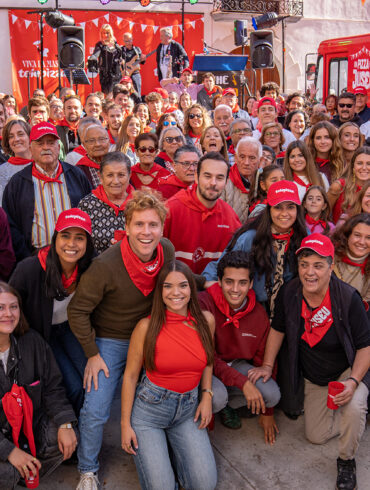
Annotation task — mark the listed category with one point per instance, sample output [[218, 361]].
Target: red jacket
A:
[[198, 234], [246, 342]]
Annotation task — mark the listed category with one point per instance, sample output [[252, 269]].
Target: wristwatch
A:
[[205, 390], [66, 426]]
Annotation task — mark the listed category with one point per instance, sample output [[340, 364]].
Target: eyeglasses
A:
[[272, 133], [144, 149], [345, 105], [171, 139], [187, 165], [198, 116], [93, 141], [167, 123], [242, 131], [268, 157]]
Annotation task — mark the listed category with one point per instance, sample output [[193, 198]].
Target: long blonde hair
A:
[[123, 142], [350, 186], [107, 27]]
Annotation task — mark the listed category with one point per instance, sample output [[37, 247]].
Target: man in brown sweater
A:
[[112, 296]]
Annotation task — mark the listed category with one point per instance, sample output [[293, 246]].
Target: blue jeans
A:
[[136, 80], [97, 405], [71, 360], [161, 417]]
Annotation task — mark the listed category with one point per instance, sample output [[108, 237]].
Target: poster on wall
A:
[[144, 27]]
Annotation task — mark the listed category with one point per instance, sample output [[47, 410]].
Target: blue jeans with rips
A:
[[163, 418]]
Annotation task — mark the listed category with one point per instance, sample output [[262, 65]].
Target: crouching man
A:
[[241, 330], [328, 337]]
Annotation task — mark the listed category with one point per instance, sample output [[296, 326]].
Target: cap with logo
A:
[[283, 191], [360, 90], [42, 129], [186, 70], [73, 218], [318, 243], [229, 91], [266, 101]]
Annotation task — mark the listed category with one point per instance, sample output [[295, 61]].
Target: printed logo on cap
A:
[[76, 216], [284, 190], [313, 241]]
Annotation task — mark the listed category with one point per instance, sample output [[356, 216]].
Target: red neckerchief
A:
[[52, 121], [80, 150], [216, 293], [136, 169], [316, 322], [283, 236], [36, 173], [164, 156], [210, 92], [236, 179], [281, 154], [362, 265], [67, 282], [253, 206], [142, 274], [190, 199], [87, 162], [111, 139], [132, 147], [231, 149], [314, 222], [321, 161], [175, 318], [192, 135], [172, 179], [236, 108], [19, 161], [100, 193], [71, 127], [299, 181]]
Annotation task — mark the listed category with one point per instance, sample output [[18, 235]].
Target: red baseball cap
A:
[[73, 218], [126, 79], [283, 191], [41, 129], [266, 101], [320, 244], [229, 91], [162, 92], [360, 90], [185, 70]]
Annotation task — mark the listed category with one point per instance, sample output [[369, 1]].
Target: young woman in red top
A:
[[175, 346]]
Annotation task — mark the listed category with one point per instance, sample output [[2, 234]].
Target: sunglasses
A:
[[144, 149], [198, 116], [171, 139], [167, 123], [345, 105]]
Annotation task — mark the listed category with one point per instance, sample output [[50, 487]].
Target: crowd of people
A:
[[214, 256]]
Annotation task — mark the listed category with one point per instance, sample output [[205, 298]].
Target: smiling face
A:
[[235, 285], [239, 130], [176, 293], [322, 141], [93, 107], [314, 273], [275, 176], [266, 114], [195, 119], [272, 138], [185, 166], [297, 124], [9, 313], [186, 78], [359, 241], [297, 161], [185, 102], [212, 140], [70, 245], [133, 128], [56, 110], [283, 216], [115, 119], [115, 178], [72, 110], [314, 203], [361, 167], [96, 142], [45, 151], [365, 204], [350, 138], [247, 159], [346, 109], [144, 231], [211, 181], [19, 140], [296, 103], [155, 108], [170, 144], [209, 83], [223, 119]]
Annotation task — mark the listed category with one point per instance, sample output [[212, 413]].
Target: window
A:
[[319, 80], [338, 75]]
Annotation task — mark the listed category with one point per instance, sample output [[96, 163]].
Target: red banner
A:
[[145, 26]]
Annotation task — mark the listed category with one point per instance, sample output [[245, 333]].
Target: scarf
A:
[[255, 204], [111, 139], [70, 126], [316, 322], [36, 173], [80, 150], [237, 180], [142, 274], [172, 179], [190, 199], [100, 193], [299, 181], [314, 222], [174, 318], [236, 108], [67, 282], [216, 293], [132, 147], [321, 162], [281, 154], [210, 92], [231, 149], [87, 162], [164, 156], [285, 237], [152, 171], [19, 161], [362, 265], [194, 136], [282, 242]]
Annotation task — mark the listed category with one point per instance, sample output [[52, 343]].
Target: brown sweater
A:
[[106, 302]]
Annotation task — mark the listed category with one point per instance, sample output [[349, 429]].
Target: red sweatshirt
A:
[[170, 185], [198, 234], [246, 342]]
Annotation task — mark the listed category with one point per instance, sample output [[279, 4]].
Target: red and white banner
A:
[[144, 26]]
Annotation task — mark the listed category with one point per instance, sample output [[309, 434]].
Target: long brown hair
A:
[[123, 142], [312, 173], [350, 179], [22, 326], [158, 315], [206, 120], [357, 207]]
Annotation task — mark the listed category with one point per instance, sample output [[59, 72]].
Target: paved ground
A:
[[243, 460]]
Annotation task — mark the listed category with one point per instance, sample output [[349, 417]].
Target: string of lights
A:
[[143, 3]]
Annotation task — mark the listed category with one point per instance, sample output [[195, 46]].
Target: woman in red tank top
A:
[[176, 348]]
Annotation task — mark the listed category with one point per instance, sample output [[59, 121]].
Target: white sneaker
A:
[[88, 481]]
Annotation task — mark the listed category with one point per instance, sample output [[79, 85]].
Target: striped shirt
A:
[[51, 198]]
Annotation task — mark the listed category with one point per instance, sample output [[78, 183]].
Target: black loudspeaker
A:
[[262, 49], [240, 32], [71, 47]]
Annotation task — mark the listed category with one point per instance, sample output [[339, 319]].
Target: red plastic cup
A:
[[334, 388], [33, 480]]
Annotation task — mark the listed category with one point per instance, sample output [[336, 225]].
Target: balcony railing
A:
[[292, 8]]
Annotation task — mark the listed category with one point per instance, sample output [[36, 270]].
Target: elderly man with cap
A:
[[267, 113], [171, 56], [35, 196], [328, 338], [363, 111], [183, 84], [230, 98]]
